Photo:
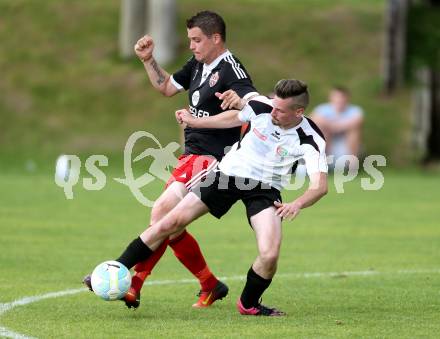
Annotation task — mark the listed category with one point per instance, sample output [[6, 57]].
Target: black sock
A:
[[136, 252], [254, 289]]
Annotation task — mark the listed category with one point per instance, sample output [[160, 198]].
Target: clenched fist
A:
[[184, 117], [144, 48]]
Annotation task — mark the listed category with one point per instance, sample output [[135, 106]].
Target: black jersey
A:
[[228, 73]]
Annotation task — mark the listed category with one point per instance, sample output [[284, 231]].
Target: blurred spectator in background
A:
[[341, 123]]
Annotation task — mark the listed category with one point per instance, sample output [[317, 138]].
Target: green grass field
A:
[[359, 264], [386, 242]]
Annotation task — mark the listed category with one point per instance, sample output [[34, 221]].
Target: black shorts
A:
[[220, 191]]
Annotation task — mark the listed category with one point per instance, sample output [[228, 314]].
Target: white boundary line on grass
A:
[[5, 307]]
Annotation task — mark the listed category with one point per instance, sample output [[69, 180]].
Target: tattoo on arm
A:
[[160, 75]]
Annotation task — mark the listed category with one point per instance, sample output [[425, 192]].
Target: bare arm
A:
[[332, 127], [317, 189], [345, 126], [159, 78], [226, 119]]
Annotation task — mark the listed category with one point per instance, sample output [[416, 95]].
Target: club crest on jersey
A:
[[195, 98], [281, 151], [213, 79]]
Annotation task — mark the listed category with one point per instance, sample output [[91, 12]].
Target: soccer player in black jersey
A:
[[215, 81]]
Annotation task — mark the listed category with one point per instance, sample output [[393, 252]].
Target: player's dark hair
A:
[[209, 22], [295, 89]]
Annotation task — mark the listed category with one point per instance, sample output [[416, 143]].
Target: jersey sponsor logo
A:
[[198, 113], [195, 98], [213, 79], [259, 134]]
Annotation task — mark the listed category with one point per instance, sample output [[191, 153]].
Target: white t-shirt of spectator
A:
[[339, 144]]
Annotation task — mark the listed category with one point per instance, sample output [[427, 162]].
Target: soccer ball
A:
[[111, 280]]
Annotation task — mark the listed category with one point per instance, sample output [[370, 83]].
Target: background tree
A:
[[412, 52], [155, 17]]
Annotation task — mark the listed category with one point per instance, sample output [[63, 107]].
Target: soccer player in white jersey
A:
[[254, 171]]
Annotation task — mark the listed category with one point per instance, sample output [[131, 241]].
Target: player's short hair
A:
[[209, 22], [341, 89], [295, 89]]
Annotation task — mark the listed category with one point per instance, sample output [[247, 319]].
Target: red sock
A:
[[187, 250], [144, 268]]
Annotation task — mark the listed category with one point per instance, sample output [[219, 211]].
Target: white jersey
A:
[[268, 153]]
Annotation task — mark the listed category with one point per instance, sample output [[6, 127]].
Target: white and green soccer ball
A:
[[111, 280]]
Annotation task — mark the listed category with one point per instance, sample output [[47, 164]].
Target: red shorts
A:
[[191, 169]]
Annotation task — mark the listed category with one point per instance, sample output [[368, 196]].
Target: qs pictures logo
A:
[[68, 168]]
